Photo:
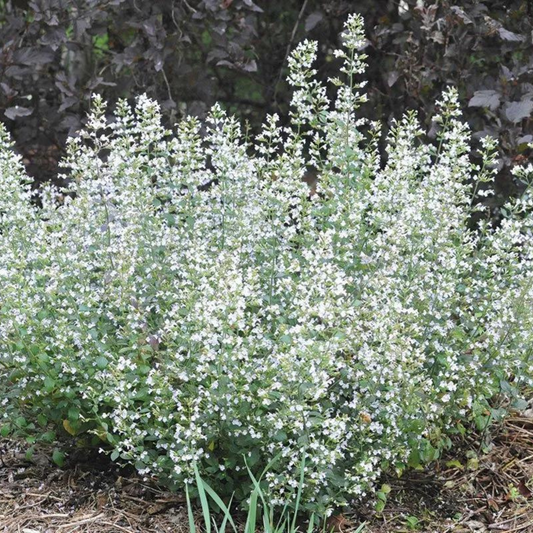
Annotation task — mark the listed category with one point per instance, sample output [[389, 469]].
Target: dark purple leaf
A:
[[225, 63], [99, 82], [33, 56], [252, 7], [17, 111], [461, 14], [68, 102], [8, 91], [17, 72], [81, 26], [392, 77], [312, 20], [517, 111], [54, 38], [507, 35], [219, 27], [438, 37], [485, 98], [154, 342], [250, 66], [217, 53], [71, 123], [507, 74], [525, 139]]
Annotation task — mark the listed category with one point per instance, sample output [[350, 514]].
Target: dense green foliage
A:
[[250, 322]]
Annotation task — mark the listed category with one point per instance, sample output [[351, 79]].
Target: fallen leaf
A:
[[524, 490], [339, 523]]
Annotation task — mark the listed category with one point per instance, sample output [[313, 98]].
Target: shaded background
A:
[[188, 54]]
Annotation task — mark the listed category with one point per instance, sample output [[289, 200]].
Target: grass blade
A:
[[267, 526], [192, 527], [257, 486], [225, 508], [203, 499], [280, 526], [311, 525], [227, 517], [251, 519]]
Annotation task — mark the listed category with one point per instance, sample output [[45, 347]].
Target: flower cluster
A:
[[187, 300]]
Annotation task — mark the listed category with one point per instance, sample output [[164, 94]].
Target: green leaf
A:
[[253, 457], [48, 436], [473, 463], [520, 404], [49, 384], [101, 362], [29, 453], [414, 460], [58, 457], [412, 522], [454, 464], [170, 218], [280, 436]]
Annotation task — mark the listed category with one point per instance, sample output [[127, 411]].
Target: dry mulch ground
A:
[[464, 492], [89, 494]]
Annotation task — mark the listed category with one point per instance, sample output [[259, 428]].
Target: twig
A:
[[289, 46], [503, 522], [54, 515], [167, 84], [45, 496], [115, 526], [81, 522], [521, 527]]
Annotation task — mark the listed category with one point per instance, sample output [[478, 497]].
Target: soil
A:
[[466, 491]]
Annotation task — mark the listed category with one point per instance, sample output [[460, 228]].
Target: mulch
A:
[[89, 494], [466, 491]]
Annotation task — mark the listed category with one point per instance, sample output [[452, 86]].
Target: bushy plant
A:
[[187, 300]]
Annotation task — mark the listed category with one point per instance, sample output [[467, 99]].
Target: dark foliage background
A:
[[190, 53]]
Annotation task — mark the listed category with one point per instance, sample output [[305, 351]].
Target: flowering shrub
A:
[[248, 321]]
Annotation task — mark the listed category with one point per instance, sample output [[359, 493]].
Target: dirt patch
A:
[[89, 494], [466, 491]]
